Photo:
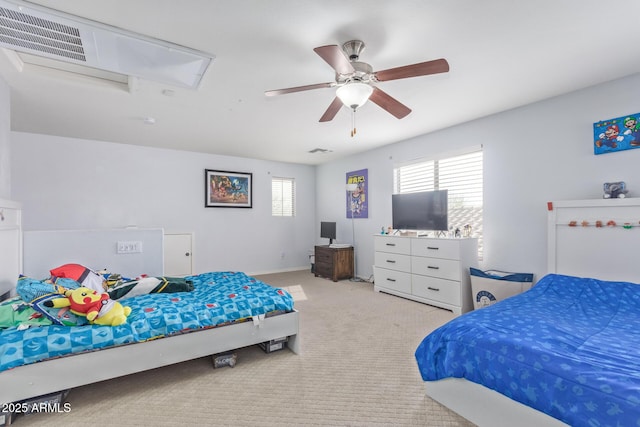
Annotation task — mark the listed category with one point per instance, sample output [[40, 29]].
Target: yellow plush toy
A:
[[98, 308]]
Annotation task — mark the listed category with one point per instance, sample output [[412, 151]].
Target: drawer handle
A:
[[433, 289], [390, 244], [433, 248], [433, 267], [391, 280], [391, 261]]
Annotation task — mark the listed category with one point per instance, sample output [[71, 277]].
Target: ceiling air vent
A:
[[26, 32], [40, 31], [319, 150]]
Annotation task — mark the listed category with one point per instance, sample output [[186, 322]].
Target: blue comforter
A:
[[569, 347], [218, 298]]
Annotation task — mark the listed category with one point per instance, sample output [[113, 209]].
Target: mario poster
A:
[[357, 204], [621, 133]]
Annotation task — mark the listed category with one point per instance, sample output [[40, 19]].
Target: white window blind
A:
[[461, 175], [283, 196]]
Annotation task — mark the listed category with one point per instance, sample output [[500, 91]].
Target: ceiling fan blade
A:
[[389, 104], [421, 69], [332, 110], [334, 56], [298, 88]]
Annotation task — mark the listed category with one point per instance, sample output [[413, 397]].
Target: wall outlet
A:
[[129, 247]]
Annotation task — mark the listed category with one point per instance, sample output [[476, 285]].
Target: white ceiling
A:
[[502, 53]]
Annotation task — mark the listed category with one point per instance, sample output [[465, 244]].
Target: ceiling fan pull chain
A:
[[353, 123]]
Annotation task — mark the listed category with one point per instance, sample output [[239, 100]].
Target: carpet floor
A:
[[356, 368]]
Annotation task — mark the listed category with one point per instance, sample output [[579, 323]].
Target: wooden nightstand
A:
[[334, 263]]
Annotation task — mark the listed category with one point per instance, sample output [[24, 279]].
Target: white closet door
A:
[[178, 254]]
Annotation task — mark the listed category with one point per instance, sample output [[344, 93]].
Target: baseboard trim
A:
[[283, 270]]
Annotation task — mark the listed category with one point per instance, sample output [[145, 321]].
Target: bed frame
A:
[[577, 245], [52, 375]]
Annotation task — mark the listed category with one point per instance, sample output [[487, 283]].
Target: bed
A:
[[162, 329], [564, 352]]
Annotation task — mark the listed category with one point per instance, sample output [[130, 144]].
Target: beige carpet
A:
[[356, 369]]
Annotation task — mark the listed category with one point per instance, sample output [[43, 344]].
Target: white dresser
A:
[[430, 270]]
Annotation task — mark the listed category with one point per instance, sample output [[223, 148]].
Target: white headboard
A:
[[95, 249], [597, 238], [10, 245]]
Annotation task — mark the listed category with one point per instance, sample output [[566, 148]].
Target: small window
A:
[[283, 196]]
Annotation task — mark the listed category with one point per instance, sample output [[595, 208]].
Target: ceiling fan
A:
[[356, 81]]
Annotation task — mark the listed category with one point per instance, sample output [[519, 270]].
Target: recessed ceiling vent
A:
[[40, 31], [27, 32], [319, 150]]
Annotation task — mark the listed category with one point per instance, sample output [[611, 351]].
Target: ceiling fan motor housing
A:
[[363, 73]]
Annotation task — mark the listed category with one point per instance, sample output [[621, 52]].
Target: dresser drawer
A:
[[436, 248], [322, 257], [324, 269], [398, 245], [393, 261], [441, 290], [436, 267], [392, 279]]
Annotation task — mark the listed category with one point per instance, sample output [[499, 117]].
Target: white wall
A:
[[67, 183], [5, 125], [534, 154]]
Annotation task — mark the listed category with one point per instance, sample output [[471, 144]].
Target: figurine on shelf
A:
[[615, 190]]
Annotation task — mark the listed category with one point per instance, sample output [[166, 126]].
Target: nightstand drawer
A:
[[436, 267], [324, 269], [323, 257], [397, 245], [436, 248], [393, 261], [391, 279], [446, 291]]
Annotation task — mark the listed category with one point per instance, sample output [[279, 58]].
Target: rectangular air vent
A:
[[319, 150], [26, 32], [40, 31]]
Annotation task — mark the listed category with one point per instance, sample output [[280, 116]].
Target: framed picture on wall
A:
[[357, 194], [224, 189], [621, 133]]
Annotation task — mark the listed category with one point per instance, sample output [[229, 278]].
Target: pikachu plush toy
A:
[[98, 308]]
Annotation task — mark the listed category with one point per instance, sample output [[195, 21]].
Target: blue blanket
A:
[[218, 298], [569, 347]]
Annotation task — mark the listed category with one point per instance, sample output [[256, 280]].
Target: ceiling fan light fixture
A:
[[355, 94]]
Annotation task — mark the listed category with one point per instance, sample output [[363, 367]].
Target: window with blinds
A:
[[283, 196], [461, 175]]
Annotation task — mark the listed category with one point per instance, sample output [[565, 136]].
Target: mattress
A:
[[218, 298], [568, 347]]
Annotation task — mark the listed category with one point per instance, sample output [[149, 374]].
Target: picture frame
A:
[[617, 134], [225, 189], [358, 199]]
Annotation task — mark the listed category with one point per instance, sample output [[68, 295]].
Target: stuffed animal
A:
[[97, 307], [615, 190]]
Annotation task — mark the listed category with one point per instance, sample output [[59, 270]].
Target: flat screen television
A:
[[425, 210], [328, 231]]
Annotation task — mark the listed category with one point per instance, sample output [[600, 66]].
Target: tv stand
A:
[[334, 263]]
